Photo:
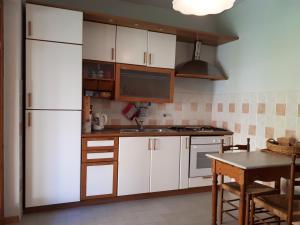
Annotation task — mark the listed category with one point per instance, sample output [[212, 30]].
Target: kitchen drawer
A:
[[99, 143], [99, 156], [204, 181]]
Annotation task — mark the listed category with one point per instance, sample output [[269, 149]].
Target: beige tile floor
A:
[[176, 210]]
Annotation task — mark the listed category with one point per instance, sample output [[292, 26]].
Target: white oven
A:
[[200, 165]]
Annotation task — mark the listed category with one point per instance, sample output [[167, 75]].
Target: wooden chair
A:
[[285, 206], [253, 189]]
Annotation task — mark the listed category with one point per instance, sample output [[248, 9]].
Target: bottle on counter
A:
[[87, 125]]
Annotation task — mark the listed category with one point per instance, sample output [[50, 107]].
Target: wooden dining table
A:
[[246, 167]]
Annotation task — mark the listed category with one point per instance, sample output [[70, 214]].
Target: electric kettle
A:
[[99, 120]]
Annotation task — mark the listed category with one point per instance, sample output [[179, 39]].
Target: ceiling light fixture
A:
[[202, 7]]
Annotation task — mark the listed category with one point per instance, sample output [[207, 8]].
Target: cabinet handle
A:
[[29, 99], [29, 119], [207, 177], [29, 28], [112, 54], [149, 144], [145, 57], [155, 143], [150, 59], [187, 143]]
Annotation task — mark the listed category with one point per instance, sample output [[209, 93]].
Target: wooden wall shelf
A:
[[183, 34]]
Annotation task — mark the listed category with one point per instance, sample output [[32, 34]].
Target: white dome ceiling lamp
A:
[[202, 7]]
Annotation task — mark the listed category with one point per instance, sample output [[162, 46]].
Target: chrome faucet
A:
[[139, 124]]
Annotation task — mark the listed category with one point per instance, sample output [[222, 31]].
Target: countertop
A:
[[253, 160], [116, 132]]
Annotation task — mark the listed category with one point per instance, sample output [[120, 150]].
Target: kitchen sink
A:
[[154, 130]]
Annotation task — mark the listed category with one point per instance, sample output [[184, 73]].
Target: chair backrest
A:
[[232, 148], [295, 169]]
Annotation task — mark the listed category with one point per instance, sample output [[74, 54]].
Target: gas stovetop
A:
[[197, 129]]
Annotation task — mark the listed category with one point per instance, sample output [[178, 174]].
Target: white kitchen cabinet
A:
[[99, 41], [164, 174], [52, 157], [148, 164], [53, 24], [131, 46], [134, 165], [184, 162], [99, 179], [161, 50], [53, 75]]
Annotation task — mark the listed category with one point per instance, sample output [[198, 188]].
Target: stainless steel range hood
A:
[[198, 68]]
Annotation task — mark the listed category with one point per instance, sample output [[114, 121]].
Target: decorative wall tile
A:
[[237, 127], [115, 121], [178, 106], [194, 106], [225, 125], [290, 133], [185, 122], [152, 122], [280, 109], [231, 107], [220, 107], [169, 122], [245, 108], [261, 108], [208, 107], [252, 130], [161, 107]]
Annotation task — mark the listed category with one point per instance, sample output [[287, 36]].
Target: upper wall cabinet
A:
[[140, 47], [131, 46], [53, 24], [161, 50], [99, 41]]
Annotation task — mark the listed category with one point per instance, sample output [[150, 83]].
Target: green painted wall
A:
[[141, 12], [266, 57]]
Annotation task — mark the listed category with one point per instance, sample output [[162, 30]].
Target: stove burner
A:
[[205, 128]]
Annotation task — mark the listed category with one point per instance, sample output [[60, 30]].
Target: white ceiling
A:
[[167, 4]]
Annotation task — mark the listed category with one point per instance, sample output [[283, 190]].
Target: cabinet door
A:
[[52, 157], [165, 164], [99, 180], [53, 24], [161, 50], [131, 46], [184, 162], [53, 75], [99, 41], [134, 165], [141, 84]]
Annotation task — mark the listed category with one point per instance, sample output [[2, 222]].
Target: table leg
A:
[[242, 204], [214, 196]]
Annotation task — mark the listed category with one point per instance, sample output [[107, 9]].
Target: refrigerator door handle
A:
[[29, 120]]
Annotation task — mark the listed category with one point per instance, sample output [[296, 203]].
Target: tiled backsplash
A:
[[258, 115], [187, 109]]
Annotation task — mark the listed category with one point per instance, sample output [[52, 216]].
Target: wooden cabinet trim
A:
[[168, 72], [84, 180]]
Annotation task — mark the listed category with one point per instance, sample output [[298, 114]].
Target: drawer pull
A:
[[29, 99], [112, 54], [149, 144], [29, 28], [29, 119], [145, 57]]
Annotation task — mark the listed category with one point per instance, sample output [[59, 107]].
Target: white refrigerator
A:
[[53, 122]]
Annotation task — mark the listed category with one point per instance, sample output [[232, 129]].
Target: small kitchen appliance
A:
[[99, 120]]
